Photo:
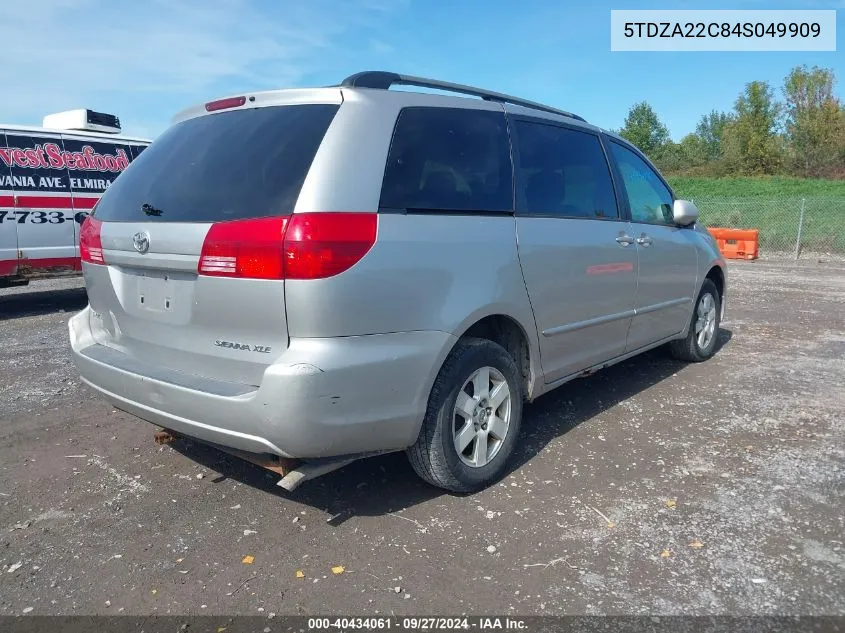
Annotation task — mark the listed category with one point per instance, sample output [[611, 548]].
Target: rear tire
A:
[[473, 418], [703, 334]]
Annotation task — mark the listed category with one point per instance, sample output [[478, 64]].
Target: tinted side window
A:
[[449, 159], [35, 163], [228, 166], [650, 200], [563, 172]]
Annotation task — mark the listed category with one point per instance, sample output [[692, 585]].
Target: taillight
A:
[[319, 245], [222, 104], [301, 246], [244, 248], [90, 245]]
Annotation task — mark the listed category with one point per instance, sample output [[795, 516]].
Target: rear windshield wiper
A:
[[151, 210]]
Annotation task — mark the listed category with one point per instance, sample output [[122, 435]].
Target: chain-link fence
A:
[[788, 226]]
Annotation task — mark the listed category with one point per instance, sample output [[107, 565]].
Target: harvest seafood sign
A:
[[50, 155], [69, 165]]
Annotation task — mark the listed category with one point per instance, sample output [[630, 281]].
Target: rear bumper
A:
[[321, 398]]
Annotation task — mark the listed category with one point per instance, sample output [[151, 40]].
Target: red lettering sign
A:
[[53, 156]]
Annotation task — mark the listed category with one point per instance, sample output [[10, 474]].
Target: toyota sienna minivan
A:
[[308, 276]]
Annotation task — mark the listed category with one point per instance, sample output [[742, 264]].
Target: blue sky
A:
[[146, 60]]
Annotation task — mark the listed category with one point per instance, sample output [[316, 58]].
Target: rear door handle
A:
[[625, 240], [644, 240]]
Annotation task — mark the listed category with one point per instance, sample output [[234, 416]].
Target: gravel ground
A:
[[652, 487]]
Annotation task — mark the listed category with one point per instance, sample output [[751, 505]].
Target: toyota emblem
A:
[[141, 242]]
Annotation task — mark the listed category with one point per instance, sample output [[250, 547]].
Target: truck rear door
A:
[[42, 212], [8, 228]]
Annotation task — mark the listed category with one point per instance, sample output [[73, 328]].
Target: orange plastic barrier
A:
[[737, 243]]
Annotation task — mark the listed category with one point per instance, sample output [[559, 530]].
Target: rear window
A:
[[449, 159], [563, 173], [227, 166]]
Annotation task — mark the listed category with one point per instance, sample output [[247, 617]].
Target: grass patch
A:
[[769, 187], [772, 205]]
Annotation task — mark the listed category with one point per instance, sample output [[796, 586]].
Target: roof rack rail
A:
[[383, 80]]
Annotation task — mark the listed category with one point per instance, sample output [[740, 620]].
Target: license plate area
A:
[[155, 295], [156, 291]]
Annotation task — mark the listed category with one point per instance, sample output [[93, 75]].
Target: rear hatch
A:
[[184, 250]]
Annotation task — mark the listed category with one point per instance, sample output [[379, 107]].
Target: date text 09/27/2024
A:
[[417, 624]]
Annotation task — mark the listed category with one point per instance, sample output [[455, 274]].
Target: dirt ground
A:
[[652, 487]]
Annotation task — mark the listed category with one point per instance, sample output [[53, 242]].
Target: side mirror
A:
[[684, 213]]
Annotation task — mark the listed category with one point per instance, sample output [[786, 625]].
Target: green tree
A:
[[696, 150], [679, 158], [710, 130], [750, 141], [670, 158], [815, 122], [644, 129]]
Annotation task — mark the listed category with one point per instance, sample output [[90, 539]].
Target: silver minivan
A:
[[304, 277]]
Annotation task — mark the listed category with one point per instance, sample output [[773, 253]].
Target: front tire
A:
[[473, 418], [703, 333]]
